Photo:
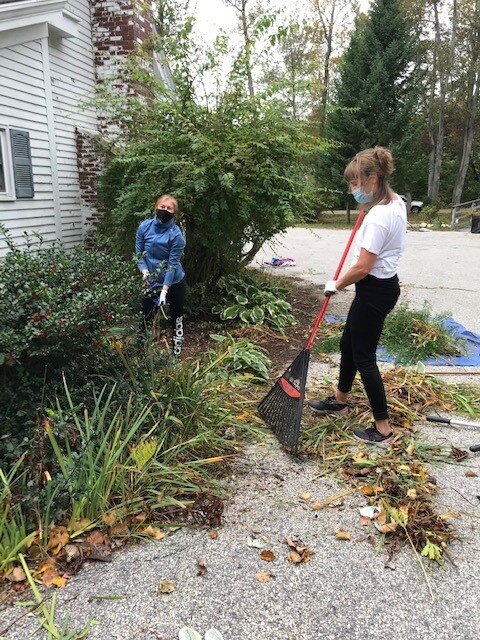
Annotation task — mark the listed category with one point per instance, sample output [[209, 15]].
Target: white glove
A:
[[330, 288], [145, 274], [163, 298]]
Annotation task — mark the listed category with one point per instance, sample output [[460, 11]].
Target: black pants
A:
[[175, 300], [374, 300]]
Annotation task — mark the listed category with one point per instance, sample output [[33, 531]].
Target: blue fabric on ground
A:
[[471, 357]]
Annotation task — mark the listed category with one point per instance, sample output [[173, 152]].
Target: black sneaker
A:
[[329, 405], [371, 435]]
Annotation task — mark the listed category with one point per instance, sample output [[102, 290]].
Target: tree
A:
[[470, 30], [329, 13], [444, 79], [376, 94], [241, 7], [239, 168]]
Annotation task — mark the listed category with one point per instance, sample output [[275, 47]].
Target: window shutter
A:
[[22, 163]]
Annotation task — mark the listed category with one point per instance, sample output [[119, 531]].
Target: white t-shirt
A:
[[383, 232]]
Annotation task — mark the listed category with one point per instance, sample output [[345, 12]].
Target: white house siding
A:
[[73, 81], [23, 106]]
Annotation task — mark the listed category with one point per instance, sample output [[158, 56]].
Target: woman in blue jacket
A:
[[160, 243]]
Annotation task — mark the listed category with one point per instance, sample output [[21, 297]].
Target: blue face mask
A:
[[361, 196]]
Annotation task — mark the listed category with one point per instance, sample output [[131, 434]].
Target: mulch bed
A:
[[305, 301]]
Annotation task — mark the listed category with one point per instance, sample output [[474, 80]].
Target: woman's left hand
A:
[[330, 288], [163, 298]]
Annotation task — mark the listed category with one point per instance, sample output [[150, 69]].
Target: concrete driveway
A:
[[441, 267]]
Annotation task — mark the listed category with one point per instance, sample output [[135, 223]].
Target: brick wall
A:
[[118, 26]]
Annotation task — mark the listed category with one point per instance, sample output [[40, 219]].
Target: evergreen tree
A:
[[376, 95]]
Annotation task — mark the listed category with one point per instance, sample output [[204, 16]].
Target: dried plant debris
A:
[[396, 481]]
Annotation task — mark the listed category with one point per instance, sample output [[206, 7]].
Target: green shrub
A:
[[59, 307], [248, 301], [60, 310], [242, 357]]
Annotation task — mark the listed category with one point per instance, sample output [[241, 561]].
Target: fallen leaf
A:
[[449, 516], [51, 576], [153, 532], [140, 517], [364, 521], [268, 556], [214, 534], [17, 575], [412, 493], [119, 529], [305, 497], [109, 519], [316, 506], [343, 535], [201, 568], [294, 557], [471, 474], [410, 449], [79, 525], [299, 551], [389, 527], [263, 577], [96, 538], [367, 490], [58, 537], [166, 586]]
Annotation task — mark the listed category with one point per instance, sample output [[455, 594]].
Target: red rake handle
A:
[[323, 310]]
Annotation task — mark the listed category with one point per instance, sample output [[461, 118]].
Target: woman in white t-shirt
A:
[[379, 244]]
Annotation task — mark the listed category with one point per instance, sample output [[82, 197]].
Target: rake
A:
[[282, 407]]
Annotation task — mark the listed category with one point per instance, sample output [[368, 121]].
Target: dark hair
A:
[[377, 161], [167, 196]]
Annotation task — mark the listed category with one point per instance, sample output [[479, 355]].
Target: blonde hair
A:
[[377, 161], [167, 196]]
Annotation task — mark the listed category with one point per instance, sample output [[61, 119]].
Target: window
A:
[[3, 182], [16, 174]]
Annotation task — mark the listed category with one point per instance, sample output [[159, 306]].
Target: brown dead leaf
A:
[[294, 557], [109, 519], [367, 490], [96, 538], [299, 552], [343, 535], [17, 575], [471, 474], [410, 449], [51, 576], [458, 454], [263, 577], [153, 532], [316, 506], [201, 568], [267, 556], [412, 493], [214, 534], [364, 521], [79, 525], [140, 517], [166, 586], [120, 529], [389, 527], [305, 497], [57, 539]]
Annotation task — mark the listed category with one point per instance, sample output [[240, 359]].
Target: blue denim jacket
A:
[[160, 246]]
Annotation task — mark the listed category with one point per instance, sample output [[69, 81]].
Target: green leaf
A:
[[229, 313], [258, 315]]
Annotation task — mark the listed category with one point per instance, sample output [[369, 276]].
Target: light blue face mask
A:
[[361, 196]]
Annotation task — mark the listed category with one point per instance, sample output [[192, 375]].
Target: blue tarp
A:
[[470, 358]]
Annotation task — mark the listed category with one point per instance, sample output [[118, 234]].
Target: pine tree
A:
[[376, 94]]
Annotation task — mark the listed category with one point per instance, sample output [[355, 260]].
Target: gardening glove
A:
[[330, 288], [162, 298]]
